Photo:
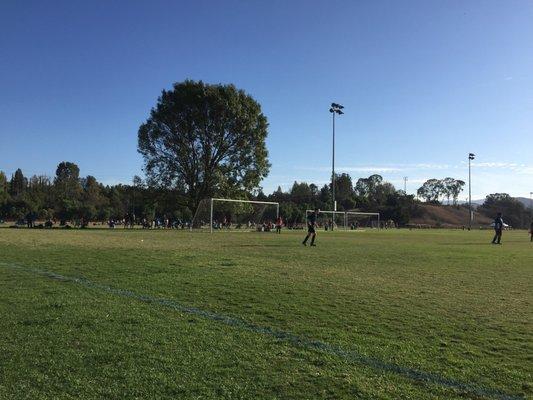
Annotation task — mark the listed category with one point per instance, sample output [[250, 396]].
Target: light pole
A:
[[334, 109], [405, 185], [471, 156]]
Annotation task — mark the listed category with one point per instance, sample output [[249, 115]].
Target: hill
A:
[[524, 200], [446, 216]]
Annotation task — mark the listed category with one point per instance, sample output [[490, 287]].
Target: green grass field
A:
[[101, 314]]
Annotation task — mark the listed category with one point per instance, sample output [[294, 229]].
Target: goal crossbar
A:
[[361, 213], [325, 212], [246, 201]]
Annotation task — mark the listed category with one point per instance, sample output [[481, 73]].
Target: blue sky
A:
[[423, 83]]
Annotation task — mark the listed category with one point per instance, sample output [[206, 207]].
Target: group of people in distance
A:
[[268, 226], [498, 228], [265, 226], [130, 222]]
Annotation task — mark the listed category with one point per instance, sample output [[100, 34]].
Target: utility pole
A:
[[471, 156], [334, 109]]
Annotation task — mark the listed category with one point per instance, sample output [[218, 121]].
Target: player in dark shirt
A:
[[498, 229], [311, 225], [531, 231], [279, 224]]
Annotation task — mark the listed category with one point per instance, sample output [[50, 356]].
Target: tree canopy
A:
[[205, 140], [433, 189], [514, 212]]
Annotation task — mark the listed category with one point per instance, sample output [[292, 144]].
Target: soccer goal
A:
[[329, 220], [361, 220], [346, 220], [234, 214]]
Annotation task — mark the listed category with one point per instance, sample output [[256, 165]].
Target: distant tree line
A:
[[370, 194], [67, 197]]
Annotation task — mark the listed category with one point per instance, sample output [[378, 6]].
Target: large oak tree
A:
[[205, 140]]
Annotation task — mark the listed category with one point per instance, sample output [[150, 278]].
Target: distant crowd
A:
[[129, 221]]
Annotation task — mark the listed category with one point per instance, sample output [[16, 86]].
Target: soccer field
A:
[[116, 314]]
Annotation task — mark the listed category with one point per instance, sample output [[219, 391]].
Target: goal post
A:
[[348, 220], [234, 213]]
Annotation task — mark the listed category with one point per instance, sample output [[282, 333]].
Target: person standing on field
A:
[[531, 231], [311, 228], [279, 224], [498, 229]]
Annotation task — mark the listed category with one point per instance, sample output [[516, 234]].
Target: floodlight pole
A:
[[469, 196], [405, 185], [334, 109], [333, 168], [471, 156]]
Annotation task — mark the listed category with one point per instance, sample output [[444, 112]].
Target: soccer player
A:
[[531, 231], [311, 225], [498, 228], [279, 224]]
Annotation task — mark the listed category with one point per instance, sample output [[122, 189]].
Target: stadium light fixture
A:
[[471, 156], [334, 109]]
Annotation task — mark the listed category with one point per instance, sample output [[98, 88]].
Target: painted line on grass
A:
[[348, 355]]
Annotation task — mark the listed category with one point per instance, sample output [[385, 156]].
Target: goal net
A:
[[328, 220], [361, 220], [345, 220], [234, 214]]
